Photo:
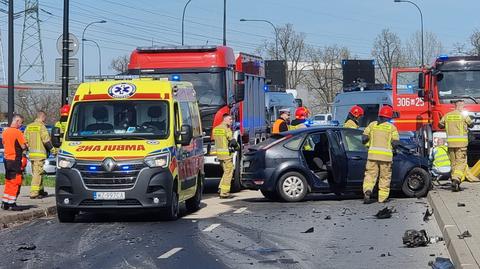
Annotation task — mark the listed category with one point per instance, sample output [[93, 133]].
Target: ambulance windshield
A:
[[130, 119], [459, 84]]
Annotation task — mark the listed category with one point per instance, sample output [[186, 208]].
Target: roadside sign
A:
[[72, 70], [73, 44]]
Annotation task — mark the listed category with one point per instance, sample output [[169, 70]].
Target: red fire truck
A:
[[423, 95], [223, 85]]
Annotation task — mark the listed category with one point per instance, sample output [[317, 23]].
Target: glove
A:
[[54, 151], [24, 163], [232, 144]]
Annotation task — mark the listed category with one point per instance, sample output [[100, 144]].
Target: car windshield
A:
[[130, 119], [459, 85]]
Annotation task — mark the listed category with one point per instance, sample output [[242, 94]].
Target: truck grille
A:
[[122, 176]]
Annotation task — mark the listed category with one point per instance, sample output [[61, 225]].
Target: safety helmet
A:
[[356, 111], [386, 111], [301, 113], [65, 110]]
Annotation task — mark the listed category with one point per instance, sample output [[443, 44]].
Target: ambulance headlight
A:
[[65, 162], [161, 160]]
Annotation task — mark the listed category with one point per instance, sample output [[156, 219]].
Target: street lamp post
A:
[[274, 29], [99, 55], [11, 98], [83, 46], [183, 20], [421, 24]]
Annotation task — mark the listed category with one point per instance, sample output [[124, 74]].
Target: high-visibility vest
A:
[[350, 124], [37, 135], [457, 129], [276, 126], [222, 134], [440, 157], [380, 139]]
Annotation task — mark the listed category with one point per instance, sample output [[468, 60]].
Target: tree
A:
[[291, 48], [475, 43], [432, 48], [120, 64], [387, 51], [29, 102], [325, 76]]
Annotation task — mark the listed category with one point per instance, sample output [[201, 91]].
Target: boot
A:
[[5, 206], [43, 193], [366, 197], [455, 185]]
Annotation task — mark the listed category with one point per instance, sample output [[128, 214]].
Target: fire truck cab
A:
[[422, 96]]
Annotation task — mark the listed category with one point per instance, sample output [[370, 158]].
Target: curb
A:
[[27, 216], [461, 256]]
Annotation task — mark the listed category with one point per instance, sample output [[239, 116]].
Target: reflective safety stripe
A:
[[381, 151], [35, 188]]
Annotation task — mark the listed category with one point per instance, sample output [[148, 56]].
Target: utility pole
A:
[[224, 22], [65, 54], [11, 104]]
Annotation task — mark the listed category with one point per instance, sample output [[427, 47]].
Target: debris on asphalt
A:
[[460, 204], [310, 230], [441, 263], [464, 235], [414, 238], [328, 217], [427, 215], [435, 239], [371, 248], [27, 247], [385, 213]]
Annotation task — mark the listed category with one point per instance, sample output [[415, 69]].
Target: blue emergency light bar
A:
[[175, 78]]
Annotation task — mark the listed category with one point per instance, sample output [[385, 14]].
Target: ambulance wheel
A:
[[193, 204], [236, 184], [66, 215], [173, 208], [417, 183]]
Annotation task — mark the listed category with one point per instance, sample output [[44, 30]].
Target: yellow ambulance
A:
[[130, 144]]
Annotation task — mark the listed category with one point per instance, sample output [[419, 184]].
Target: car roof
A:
[[312, 129]]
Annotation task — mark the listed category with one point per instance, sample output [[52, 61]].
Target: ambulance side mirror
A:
[[56, 137], [185, 135]]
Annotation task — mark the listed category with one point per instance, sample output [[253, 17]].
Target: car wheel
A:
[[193, 204], [173, 208], [270, 195], [417, 183], [66, 215], [292, 187], [236, 181]]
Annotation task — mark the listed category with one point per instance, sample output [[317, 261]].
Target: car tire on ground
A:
[[193, 204], [270, 195], [292, 187], [171, 212], [417, 183], [66, 215]]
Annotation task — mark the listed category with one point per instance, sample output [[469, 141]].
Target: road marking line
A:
[[168, 254], [240, 210], [211, 227]]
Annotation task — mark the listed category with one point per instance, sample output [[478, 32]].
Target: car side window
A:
[[294, 143], [352, 139], [310, 141]]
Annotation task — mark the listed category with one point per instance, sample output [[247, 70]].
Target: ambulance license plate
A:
[[109, 196]]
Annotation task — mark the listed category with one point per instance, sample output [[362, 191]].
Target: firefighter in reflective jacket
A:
[[441, 161], [301, 115], [62, 123], [356, 112], [381, 136], [456, 126], [39, 148], [281, 124], [225, 145]]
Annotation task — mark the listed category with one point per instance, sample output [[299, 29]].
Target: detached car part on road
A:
[[325, 160]]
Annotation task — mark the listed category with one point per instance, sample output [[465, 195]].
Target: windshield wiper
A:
[[463, 97]]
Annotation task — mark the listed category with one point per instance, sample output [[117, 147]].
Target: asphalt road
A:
[[245, 232]]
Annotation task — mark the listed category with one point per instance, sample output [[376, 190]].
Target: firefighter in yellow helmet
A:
[[225, 145], [381, 136], [456, 126], [356, 112], [39, 147]]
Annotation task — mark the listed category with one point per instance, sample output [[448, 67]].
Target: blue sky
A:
[[351, 23]]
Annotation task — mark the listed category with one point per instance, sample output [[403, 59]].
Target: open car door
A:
[[338, 164]]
